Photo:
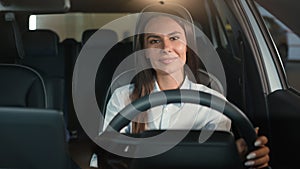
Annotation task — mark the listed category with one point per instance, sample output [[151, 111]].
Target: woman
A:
[[167, 62]]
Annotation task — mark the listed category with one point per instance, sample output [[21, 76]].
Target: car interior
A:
[[37, 105]]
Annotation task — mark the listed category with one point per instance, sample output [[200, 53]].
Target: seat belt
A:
[[10, 17]]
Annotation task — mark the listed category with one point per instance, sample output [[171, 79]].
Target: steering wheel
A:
[[243, 125]]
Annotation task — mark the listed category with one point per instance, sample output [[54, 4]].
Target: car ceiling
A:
[[119, 5], [286, 11]]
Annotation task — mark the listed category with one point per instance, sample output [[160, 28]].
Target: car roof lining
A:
[[36, 6]]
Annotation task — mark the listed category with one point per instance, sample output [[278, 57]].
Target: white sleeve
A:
[[219, 122], [117, 102]]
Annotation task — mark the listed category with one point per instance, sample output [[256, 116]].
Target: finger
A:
[[256, 130], [263, 151], [260, 141], [258, 163], [262, 166]]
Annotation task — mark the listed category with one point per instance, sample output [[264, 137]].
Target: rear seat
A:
[[44, 54], [93, 42], [88, 33], [31, 134], [71, 50], [110, 76], [105, 38], [20, 86]]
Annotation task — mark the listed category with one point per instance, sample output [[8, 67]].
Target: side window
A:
[[288, 46]]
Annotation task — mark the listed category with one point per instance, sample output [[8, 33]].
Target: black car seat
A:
[[32, 135], [44, 53], [86, 35], [11, 49], [94, 42], [20, 86], [32, 138], [71, 49]]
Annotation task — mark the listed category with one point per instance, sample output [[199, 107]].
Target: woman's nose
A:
[[167, 45]]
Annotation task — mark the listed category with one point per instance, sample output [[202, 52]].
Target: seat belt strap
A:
[[10, 17]]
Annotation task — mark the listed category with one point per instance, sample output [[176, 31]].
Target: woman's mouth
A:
[[168, 60]]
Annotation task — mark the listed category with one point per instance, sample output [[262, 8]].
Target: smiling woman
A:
[[167, 64]]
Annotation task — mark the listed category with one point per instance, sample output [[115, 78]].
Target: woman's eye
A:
[[174, 38], [154, 41]]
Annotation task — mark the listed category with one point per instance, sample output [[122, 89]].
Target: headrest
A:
[[103, 36], [87, 34], [40, 43]]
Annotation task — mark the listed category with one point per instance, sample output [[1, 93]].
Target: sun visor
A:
[[35, 6]]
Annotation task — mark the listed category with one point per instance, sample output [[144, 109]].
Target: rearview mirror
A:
[[37, 6]]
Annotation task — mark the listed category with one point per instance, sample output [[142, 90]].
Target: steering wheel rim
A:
[[238, 118]]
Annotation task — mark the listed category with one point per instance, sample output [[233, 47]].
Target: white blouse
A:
[[171, 116]]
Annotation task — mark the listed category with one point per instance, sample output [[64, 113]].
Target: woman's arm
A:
[[119, 99]]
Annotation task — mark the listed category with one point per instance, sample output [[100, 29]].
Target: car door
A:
[[264, 93]]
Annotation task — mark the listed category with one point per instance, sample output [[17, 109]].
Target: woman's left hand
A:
[[258, 158]]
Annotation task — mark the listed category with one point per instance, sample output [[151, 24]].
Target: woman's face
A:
[[165, 42]]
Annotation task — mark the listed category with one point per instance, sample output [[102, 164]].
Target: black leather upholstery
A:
[[21, 87], [71, 51], [32, 138], [86, 35], [99, 39], [8, 49], [44, 53]]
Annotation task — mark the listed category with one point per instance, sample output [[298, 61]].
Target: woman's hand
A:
[[258, 158]]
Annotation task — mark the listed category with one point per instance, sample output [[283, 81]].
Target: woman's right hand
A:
[[258, 158]]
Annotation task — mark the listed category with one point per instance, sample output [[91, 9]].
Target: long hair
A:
[[145, 78]]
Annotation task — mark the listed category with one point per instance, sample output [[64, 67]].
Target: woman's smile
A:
[[168, 60]]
